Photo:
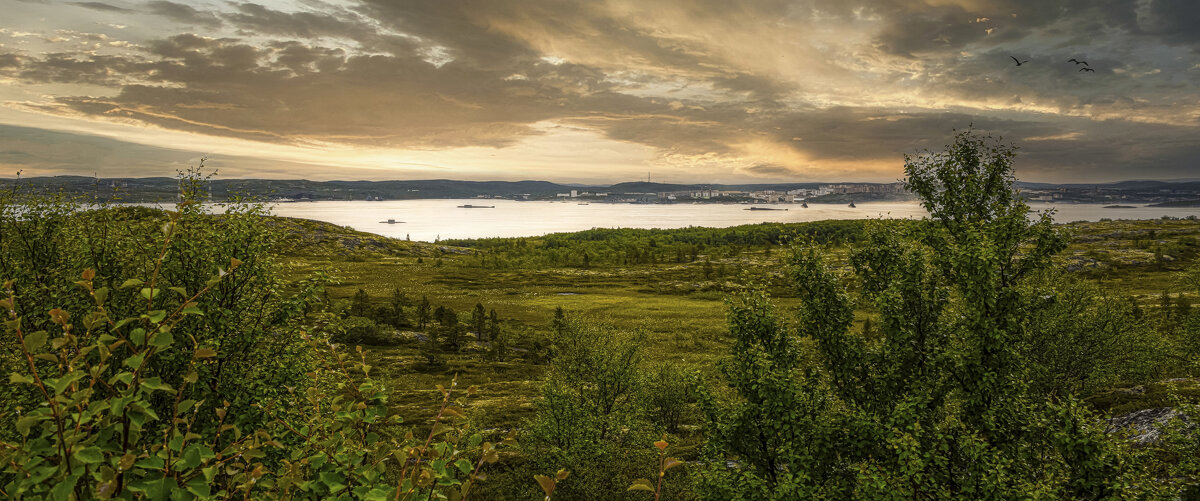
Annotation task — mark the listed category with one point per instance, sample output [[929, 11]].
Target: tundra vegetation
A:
[[211, 352]]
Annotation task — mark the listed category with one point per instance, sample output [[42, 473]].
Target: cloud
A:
[[101, 6], [296, 93], [1173, 20], [255, 18], [766, 88], [41, 152], [9, 61], [183, 13]]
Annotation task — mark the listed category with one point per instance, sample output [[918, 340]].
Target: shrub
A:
[[252, 320], [936, 403], [96, 434], [588, 415], [126, 390], [359, 330], [1080, 341], [667, 395]]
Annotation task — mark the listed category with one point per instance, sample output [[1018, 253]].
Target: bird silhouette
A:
[[1087, 69], [1077, 62], [1018, 61]]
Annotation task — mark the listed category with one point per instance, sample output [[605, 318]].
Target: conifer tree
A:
[[360, 304], [479, 321], [423, 312]]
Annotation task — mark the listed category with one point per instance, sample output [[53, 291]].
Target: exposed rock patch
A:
[[1146, 426]]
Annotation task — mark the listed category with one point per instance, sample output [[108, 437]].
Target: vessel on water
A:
[[763, 208], [469, 206], [804, 204], [852, 204], [391, 221]]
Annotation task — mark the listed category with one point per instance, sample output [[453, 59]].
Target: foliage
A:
[[624, 246], [479, 322], [588, 415], [664, 463], [97, 436], [667, 395], [549, 484], [394, 314], [774, 420], [252, 319], [125, 390], [497, 342], [356, 330], [936, 403], [1080, 341], [424, 313], [96, 433], [360, 304], [449, 329]]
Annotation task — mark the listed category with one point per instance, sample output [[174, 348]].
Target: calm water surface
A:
[[427, 220]]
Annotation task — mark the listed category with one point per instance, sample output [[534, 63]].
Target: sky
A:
[[596, 91]]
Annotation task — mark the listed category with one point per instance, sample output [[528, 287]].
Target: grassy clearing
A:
[[679, 310]]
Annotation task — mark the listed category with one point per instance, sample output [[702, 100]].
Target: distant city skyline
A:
[[596, 92]]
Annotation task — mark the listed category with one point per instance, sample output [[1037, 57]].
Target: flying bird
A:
[[1077, 62], [1019, 62], [1087, 69]]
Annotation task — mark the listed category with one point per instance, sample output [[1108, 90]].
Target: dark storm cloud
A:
[[183, 13], [914, 28], [946, 28], [919, 27], [1176, 21]]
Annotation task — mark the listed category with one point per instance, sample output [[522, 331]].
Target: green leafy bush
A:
[[126, 390], [937, 402], [358, 330], [667, 395], [1079, 341], [588, 417]]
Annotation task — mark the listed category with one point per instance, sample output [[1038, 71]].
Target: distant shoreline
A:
[[1179, 203], [165, 190]]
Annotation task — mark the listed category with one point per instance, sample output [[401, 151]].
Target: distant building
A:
[[846, 189], [773, 196]]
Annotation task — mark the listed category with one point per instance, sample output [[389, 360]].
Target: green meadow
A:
[[680, 311]]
